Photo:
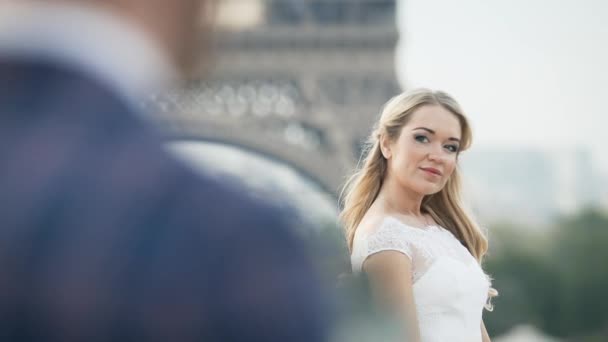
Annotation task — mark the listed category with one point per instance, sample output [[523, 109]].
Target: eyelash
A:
[[454, 147], [422, 139], [418, 138]]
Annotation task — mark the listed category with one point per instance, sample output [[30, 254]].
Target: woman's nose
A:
[[437, 154]]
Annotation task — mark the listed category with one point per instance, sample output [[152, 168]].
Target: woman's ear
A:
[[385, 147]]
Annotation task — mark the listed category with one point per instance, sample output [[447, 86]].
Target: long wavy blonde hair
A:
[[445, 207]]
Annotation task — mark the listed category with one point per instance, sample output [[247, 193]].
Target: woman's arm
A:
[[484, 333], [390, 275]]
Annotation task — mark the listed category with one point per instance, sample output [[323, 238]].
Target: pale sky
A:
[[528, 73]]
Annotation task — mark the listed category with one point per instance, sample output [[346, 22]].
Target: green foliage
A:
[[581, 257], [556, 279]]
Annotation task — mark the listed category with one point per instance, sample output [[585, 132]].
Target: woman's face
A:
[[424, 155]]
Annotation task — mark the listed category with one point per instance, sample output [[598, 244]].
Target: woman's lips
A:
[[431, 170]]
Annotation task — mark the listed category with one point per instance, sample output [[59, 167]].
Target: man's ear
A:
[[385, 147]]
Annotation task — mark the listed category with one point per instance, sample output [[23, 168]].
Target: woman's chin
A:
[[427, 189]]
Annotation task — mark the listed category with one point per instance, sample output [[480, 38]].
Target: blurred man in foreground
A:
[[103, 235]]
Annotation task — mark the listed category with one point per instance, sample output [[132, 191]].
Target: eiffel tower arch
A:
[[301, 81]]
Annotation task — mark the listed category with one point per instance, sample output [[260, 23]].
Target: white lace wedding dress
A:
[[450, 288]]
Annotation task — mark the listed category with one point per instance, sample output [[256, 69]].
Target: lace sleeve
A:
[[388, 240], [382, 240]]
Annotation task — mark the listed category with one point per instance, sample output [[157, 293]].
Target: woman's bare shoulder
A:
[[371, 223]]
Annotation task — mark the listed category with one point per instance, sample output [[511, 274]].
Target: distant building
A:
[[603, 193], [529, 185]]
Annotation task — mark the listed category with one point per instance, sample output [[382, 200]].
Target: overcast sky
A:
[[528, 73]]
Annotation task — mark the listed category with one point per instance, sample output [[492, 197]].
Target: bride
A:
[[406, 227]]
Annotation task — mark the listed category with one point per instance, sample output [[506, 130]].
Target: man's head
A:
[[180, 27]]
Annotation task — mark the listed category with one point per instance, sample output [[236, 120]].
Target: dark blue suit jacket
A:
[[104, 236]]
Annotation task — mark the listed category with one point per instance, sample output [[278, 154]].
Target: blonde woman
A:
[[406, 226]]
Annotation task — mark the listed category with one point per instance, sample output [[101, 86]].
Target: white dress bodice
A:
[[450, 288]]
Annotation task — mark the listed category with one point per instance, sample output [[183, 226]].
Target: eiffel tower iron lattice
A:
[[301, 81]]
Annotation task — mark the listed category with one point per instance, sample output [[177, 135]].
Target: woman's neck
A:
[[396, 199]]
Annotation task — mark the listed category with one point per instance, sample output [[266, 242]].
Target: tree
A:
[[556, 279]]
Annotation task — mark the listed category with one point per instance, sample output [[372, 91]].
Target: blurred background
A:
[[296, 85]]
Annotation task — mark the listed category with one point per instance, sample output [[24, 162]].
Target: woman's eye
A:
[[421, 138], [452, 148]]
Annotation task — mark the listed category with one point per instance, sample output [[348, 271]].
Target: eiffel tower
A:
[[301, 81]]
